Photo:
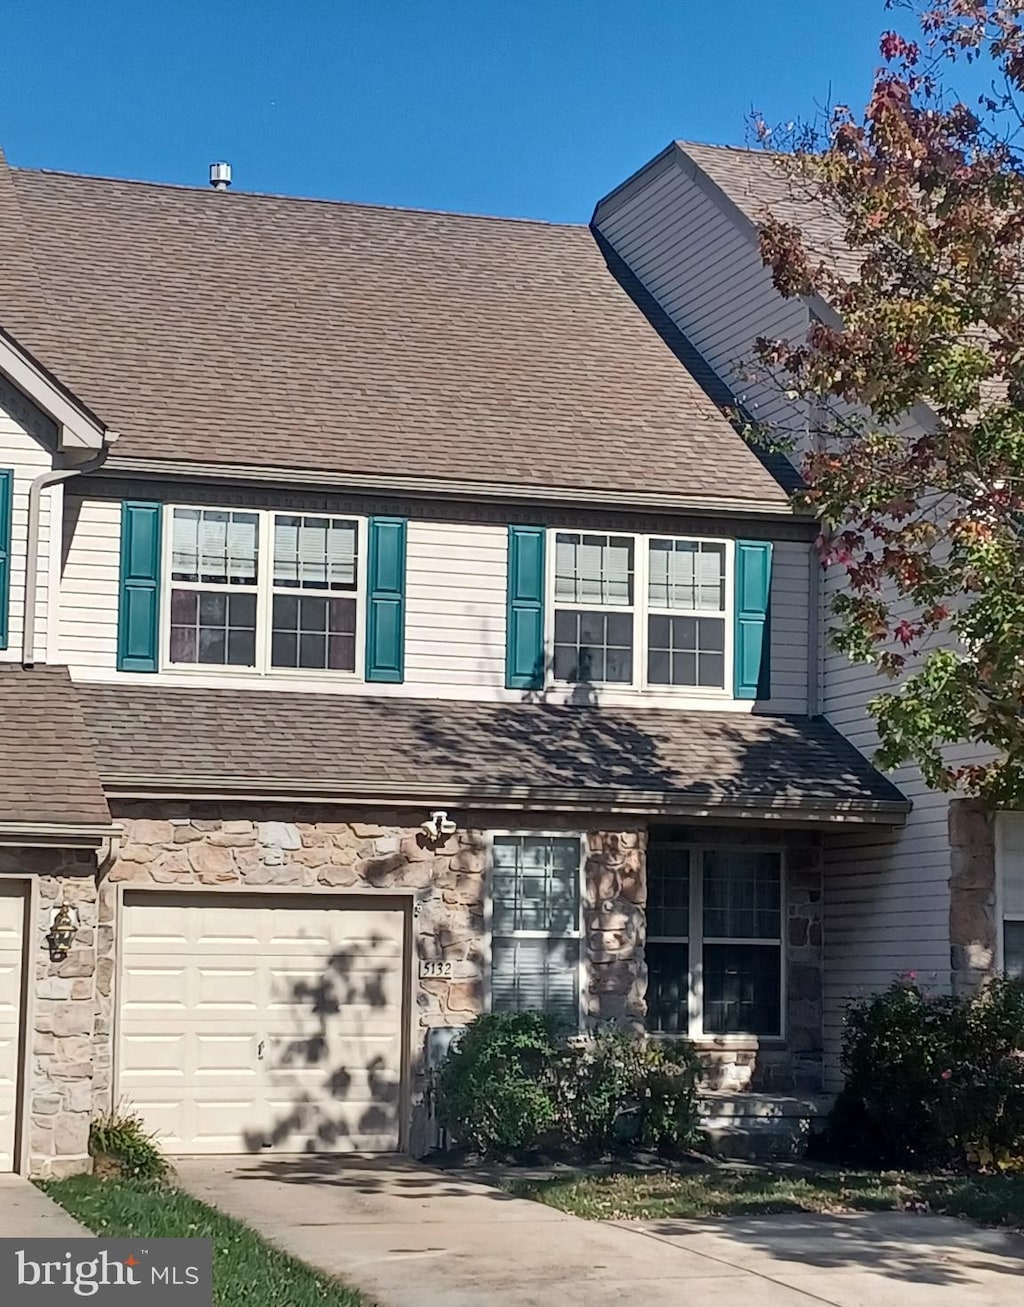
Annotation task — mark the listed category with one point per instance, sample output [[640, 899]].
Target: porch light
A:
[[62, 932]]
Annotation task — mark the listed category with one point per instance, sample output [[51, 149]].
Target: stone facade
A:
[[973, 928], [61, 1011]]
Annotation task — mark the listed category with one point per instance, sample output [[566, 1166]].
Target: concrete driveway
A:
[[409, 1236]]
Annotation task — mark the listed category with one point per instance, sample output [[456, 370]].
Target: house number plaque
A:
[[430, 968]]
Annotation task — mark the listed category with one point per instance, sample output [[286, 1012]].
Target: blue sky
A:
[[531, 108]]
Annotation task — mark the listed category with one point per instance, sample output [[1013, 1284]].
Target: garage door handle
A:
[[259, 1050]]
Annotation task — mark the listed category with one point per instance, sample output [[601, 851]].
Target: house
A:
[[393, 625]]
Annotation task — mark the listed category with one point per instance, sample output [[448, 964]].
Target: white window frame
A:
[[641, 610], [1002, 840], [265, 589], [579, 934], [696, 940]]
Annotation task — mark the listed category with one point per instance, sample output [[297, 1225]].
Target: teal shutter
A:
[[752, 636], [524, 631], [385, 619], [6, 494], [138, 616]]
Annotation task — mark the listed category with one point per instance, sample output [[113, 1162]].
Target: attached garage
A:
[[264, 1023], [12, 968]]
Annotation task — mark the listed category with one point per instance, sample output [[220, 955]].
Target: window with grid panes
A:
[[714, 940], [593, 618], [535, 925], [229, 607], [1011, 890], [686, 613]]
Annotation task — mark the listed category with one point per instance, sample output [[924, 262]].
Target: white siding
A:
[[89, 583], [22, 453], [455, 605], [886, 894]]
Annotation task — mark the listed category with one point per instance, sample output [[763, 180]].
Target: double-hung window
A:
[[263, 591], [714, 941], [536, 901], [640, 611]]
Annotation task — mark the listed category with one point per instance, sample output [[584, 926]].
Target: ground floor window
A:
[[714, 941], [536, 904], [1011, 891]]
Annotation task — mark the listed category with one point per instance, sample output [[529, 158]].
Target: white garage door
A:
[[253, 1023], [12, 930]]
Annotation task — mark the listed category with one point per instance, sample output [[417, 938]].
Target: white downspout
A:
[[35, 497]]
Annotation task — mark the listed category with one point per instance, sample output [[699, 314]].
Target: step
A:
[[731, 1106], [760, 1127]]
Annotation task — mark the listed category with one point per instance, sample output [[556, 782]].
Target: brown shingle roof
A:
[[157, 739], [241, 329], [760, 182], [48, 770]]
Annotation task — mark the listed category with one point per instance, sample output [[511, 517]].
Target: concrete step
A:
[[760, 1127]]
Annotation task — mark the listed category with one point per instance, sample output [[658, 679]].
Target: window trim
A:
[[695, 942], [641, 612], [1001, 915], [264, 591], [579, 934]]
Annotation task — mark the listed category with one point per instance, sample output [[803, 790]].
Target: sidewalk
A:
[[27, 1213]]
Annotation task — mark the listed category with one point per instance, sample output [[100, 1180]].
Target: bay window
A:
[[640, 611], [536, 901], [714, 941], [263, 591]]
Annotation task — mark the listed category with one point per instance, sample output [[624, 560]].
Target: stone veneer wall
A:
[[59, 1087], [973, 928], [229, 847]]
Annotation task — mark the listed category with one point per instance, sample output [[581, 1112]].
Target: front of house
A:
[[392, 628]]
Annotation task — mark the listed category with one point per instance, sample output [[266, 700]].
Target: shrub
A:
[[121, 1146], [516, 1082], [494, 1090], [616, 1089], [933, 1080]]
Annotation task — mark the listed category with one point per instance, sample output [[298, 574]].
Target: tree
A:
[[927, 523]]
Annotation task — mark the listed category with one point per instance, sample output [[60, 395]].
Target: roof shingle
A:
[[236, 329], [237, 741], [48, 774]]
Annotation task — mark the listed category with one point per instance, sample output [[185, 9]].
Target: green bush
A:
[[517, 1082], [494, 1091], [121, 1146], [932, 1080]]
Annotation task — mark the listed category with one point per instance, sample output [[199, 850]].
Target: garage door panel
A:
[[288, 1021], [12, 927]]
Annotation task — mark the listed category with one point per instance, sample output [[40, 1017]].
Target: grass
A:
[[247, 1271], [748, 1191]]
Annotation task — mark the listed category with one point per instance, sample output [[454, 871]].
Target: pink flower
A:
[[947, 1075], [911, 975]]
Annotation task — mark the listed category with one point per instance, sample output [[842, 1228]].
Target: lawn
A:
[[747, 1191], [247, 1271]]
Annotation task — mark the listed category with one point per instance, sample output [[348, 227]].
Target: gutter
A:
[[437, 487], [35, 496], [59, 835], [885, 812]]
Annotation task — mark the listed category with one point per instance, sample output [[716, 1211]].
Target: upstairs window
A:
[[264, 591], [641, 611]]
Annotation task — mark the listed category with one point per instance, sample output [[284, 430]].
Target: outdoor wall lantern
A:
[[63, 925]]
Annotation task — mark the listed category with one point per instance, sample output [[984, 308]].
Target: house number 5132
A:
[[428, 968]]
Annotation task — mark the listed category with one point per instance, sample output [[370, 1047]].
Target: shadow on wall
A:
[[323, 1078]]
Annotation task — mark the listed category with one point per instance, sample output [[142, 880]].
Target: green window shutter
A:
[[138, 617], [385, 618], [6, 496], [752, 678], [524, 631]]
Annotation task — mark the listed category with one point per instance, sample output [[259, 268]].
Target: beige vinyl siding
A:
[[27, 458], [455, 604], [790, 627], [89, 582], [706, 273]]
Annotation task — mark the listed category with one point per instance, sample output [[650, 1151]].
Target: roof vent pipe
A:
[[220, 176]]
